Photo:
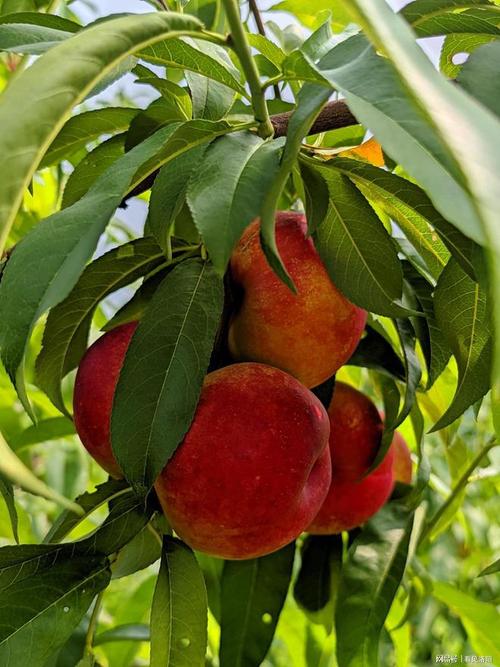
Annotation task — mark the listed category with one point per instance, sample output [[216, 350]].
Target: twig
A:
[[89, 637], [262, 30], [241, 46]]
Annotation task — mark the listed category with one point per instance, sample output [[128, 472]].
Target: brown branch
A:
[[333, 116]]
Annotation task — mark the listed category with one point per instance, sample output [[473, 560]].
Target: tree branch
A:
[[333, 116]]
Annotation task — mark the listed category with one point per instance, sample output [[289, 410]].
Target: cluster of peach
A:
[[263, 461]]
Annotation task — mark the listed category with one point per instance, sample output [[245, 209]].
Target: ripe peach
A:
[[309, 334], [355, 434], [254, 468], [402, 467], [95, 386]]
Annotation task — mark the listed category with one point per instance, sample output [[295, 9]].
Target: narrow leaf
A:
[[179, 611], [168, 358], [253, 594], [463, 316], [80, 130], [7, 492], [357, 250]]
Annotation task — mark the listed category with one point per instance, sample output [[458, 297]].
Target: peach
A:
[[254, 468], [355, 435], [95, 386], [309, 334], [402, 467]]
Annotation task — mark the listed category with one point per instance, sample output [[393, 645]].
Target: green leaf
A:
[[479, 76], [38, 19], [253, 595], [369, 581], [127, 517], [56, 250], [168, 356], [88, 502], [313, 585], [310, 100], [474, 150], [58, 81], [491, 569], [179, 611], [357, 250], [29, 39], [479, 17], [142, 551], [374, 351], [129, 632], [247, 165], [193, 56], [478, 618], [168, 193], [463, 316], [68, 324], [175, 96], [52, 428], [38, 613], [159, 113], [432, 341], [412, 209], [463, 44], [211, 99], [268, 49], [7, 492], [317, 196], [14, 470], [134, 309], [93, 165], [84, 128]]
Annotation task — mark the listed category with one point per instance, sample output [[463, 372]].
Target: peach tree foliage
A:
[[243, 123]]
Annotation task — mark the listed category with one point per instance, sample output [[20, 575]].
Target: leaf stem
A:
[[89, 637], [460, 485], [272, 81], [242, 49]]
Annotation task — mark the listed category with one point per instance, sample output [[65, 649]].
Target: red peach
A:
[[402, 467], [95, 386], [355, 435], [309, 334], [254, 468]]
